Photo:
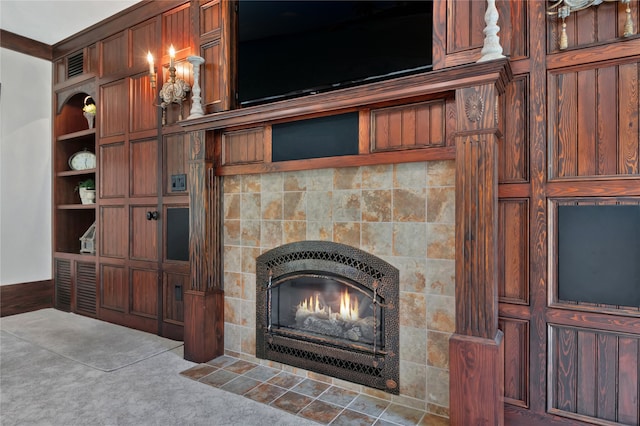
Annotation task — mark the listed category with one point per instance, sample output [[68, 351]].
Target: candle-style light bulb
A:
[[172, 55], [151, 66]]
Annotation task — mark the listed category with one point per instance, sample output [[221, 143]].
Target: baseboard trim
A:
[[25, 297]]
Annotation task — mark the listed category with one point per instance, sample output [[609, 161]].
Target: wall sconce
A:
[[174, 90], [563, 8]]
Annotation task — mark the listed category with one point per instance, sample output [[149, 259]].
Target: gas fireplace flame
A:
[[349, 309]]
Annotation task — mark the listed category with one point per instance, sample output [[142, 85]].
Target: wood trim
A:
[[18, 43], [203, 325], [25, 297]]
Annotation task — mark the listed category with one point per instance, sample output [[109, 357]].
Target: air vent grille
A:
[[75, 64], [86, 287], [63, 284]]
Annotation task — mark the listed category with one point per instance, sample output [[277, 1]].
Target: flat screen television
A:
[[293, 48]]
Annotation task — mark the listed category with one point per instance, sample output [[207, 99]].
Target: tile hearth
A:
[[307, 398]]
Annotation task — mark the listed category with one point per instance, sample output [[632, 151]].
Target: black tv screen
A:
[[293, 48]]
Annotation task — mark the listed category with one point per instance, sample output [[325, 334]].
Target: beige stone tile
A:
[[232, 337], [441, 173], [231, 206], [413, 308], [377, 238], [271, 233], [295, 181], [409, 175], [271, 182], [231, 232], [409, 402], [294, 206], [320, 230], [232, 310], [232, 284], [232, 184], [294, 231], [413, 380], [250, 207], [377, 177], [250, 233], [441, 204], [376, 205], [412, 273], [347, 178], [409, 205], [438, 349], [319, 205], [271, 204], [440, 241], [347, 385], [251, 183], [249, 255], [438, 410], [232, 259], [413, 344], [438, 385], [248, 314], [441, 313], [346, 206], [320, 180], [441, 277], [376, 393], [347, 233], [248, 287], [409, 239]]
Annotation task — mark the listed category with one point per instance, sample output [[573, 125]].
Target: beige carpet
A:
[[96, 344]]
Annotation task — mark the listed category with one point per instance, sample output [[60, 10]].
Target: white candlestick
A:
[[196, 104]]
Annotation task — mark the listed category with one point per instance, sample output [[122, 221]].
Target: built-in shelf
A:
[[76, 206], [76, 135], [76, 172], [74, 255]]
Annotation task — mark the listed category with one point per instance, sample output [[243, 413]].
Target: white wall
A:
[[25, 168]]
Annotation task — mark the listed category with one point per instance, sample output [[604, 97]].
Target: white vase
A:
[[90, 117], [87, 196]]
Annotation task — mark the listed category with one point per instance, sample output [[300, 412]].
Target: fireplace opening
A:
[[329, 308]]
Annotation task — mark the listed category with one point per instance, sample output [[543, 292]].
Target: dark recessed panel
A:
[[178, 234], [599, 254]]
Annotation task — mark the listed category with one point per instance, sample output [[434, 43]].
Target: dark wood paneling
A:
[[27, 46], [143, 39], [144, 292], [243, 146], [210, 18], [513, 248], [174, 285], [516, 362], [144, 168], [144, 107], [594, 374], [203, 325], [85, 287], [175, 159], [26, 297], [143, 241], [406, 127], [114, 54], [177, 29], [113, 231], [114, 291], [210, 76], [113, 110], [113, 174], [594, 121], [513, 154]]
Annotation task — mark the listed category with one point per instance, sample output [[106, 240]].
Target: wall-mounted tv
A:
[[294, 48]]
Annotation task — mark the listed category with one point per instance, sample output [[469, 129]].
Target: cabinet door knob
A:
[[153, 215]]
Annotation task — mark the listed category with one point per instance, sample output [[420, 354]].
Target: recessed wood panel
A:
[[243, 146], [113, 171], [210, 75], [113, 231], [144, 39], [594, 374], [114, 113], [175, 159], [414, 126], [176, 28], [513, 154], [144, 168], [593, 121], [174, 287], [144, 293], [513, 246], [144, 234], [144, 109], [114, 54], [113, 287], [209, 17], [516, 362]]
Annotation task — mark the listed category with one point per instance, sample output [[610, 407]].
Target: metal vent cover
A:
[[75, 64]]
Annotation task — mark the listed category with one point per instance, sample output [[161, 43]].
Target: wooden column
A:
[[476, 350], [204, 300]]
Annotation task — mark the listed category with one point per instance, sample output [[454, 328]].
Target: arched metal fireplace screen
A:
[[330, 308]]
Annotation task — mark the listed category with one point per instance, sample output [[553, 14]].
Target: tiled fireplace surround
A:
[[403, 213]]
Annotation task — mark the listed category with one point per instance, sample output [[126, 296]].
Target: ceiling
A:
[[51, 21]]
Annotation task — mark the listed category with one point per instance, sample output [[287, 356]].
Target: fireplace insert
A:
[[330, 308]]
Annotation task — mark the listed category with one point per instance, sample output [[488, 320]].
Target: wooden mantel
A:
[[476, 349]]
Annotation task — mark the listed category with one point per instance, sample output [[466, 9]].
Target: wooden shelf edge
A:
[[74, 255], [76, 172], [76, 207], [75, 135]]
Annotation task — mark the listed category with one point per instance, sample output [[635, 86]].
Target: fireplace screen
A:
[[329, 308]]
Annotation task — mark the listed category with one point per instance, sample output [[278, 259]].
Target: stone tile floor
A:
[[310, 399]]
